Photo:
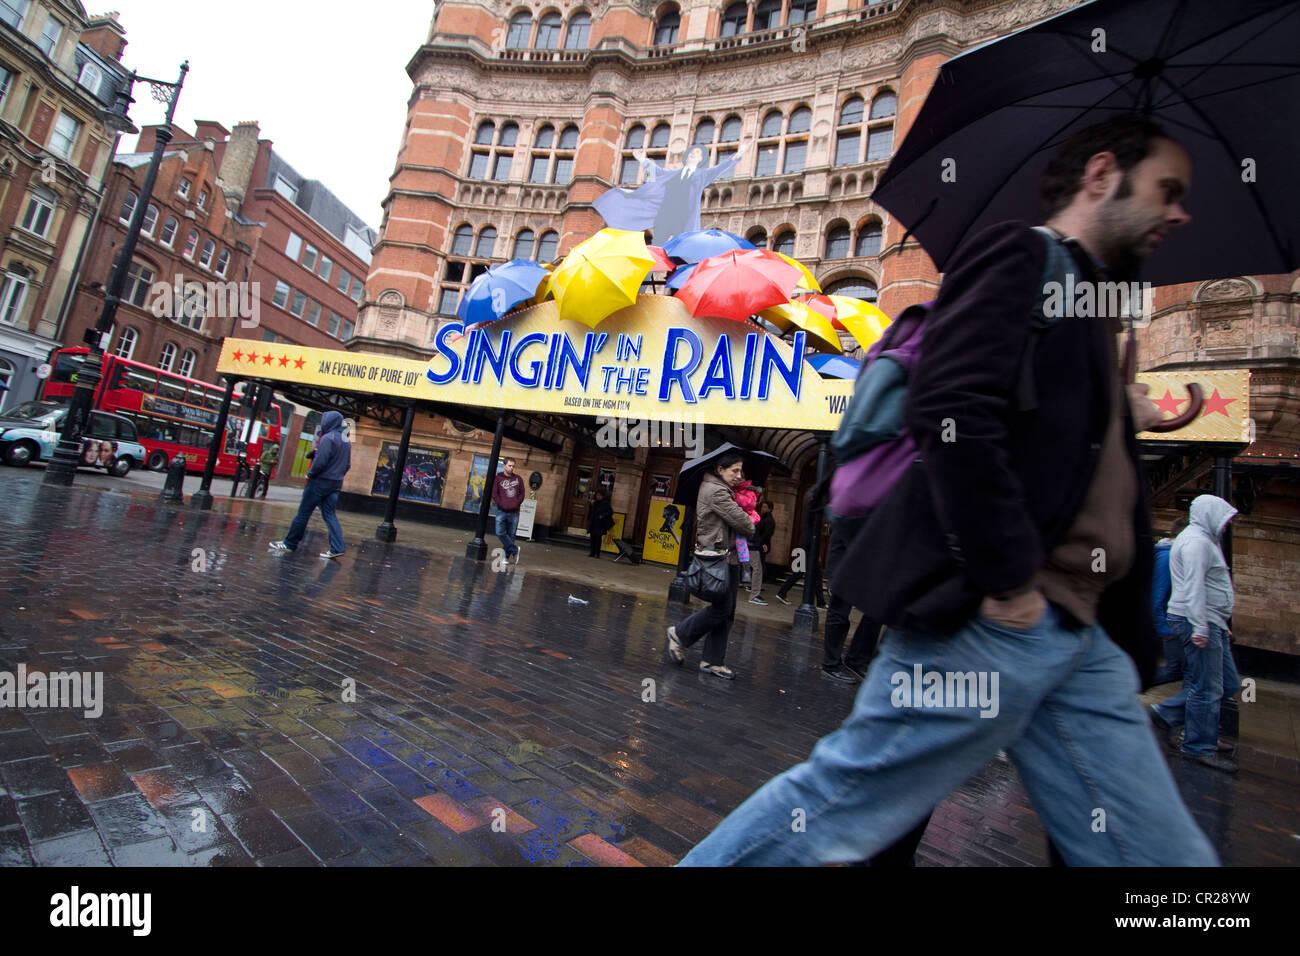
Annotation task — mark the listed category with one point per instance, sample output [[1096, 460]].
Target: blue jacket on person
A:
[[333, 453], [1161, 587]]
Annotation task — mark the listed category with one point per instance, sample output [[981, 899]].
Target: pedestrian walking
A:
[[508, 495], [1161, 587], [850, 668], [599, 520], [766, 527], [747, 498], [331, 460], [982, 557], [1200, 605], [266, 464], [718, 521]]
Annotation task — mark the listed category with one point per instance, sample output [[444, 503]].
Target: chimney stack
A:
[[238, 162], [105, 36]]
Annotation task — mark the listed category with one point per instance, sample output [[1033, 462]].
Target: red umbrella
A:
[[662, 262], [738, 284]]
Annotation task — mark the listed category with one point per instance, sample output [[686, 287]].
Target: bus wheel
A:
[[22, 453], [157, 461], [121, 467]]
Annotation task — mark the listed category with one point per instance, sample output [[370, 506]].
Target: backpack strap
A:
[[1057, 264]]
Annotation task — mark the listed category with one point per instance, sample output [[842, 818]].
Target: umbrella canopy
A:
[[1221, 78], [661, 260], [737, 284], [758, 465], [698, 244], [821, 334], [862, 320], [835, 366], [499, 290], [679, 277], [807, 281], [601, 275]]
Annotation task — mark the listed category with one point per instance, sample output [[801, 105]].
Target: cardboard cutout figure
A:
[[669, 201]]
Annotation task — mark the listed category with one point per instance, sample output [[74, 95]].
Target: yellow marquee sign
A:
[[1225, 416]]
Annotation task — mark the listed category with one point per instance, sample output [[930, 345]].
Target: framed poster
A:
[[607, 542], [477, 478], [663, 531], [661, 485], [423, 479]]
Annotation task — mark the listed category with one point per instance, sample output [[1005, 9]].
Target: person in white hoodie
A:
[[1200, 605]]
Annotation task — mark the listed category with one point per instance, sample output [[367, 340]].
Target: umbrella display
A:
[[757, 465], [835, 366], [699, 244], [1221, 78], [661, 261], [679, 277], [601, 275], [864, 321], [807, 281], [737, 284], [499, 290], [821, 334]]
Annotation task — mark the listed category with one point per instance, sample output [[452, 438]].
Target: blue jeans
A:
[[1067, 713], [1172, 669], [322, 494], [507, 525], [1210, 674]]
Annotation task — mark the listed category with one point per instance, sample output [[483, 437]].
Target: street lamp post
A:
[[63, 464]]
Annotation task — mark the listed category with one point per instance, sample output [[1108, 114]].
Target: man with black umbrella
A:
[[1012, 557]]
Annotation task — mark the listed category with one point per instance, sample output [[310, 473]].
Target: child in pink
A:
[[747, 498]]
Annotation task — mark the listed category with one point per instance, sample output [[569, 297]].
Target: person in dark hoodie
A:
[[982, 559], [1161, 587], [332, 459], [599, 520]]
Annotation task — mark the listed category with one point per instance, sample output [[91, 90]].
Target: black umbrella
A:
[[1222, 78], [757, 465]]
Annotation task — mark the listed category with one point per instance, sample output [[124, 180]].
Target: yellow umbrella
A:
[[862, 320], [821, 334], [809, 281], [601, 275]]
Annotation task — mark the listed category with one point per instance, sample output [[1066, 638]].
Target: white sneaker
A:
[[517, 550]]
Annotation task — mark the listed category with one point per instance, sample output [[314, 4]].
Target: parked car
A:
[[30, 432]]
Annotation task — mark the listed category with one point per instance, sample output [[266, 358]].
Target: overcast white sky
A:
[[326, 81]]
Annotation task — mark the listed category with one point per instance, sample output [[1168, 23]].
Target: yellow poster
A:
[[1225, 416], [607, 542], [663, 532]]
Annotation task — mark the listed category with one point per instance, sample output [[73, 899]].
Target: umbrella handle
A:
[[1194, 394]]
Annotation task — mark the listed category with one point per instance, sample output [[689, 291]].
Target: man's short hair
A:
[[704, 153], [1127, 136], [508, 461]]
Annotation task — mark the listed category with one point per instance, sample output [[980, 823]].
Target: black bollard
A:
[[173, 487]]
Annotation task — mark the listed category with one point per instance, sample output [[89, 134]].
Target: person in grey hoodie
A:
[[1200, 605], [331, 462]]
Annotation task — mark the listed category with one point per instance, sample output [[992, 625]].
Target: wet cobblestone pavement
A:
[[494, 722]]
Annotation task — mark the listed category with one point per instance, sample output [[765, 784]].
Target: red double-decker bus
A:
[[172, 414]]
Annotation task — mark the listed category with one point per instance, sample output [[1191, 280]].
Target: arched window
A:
[[730, 130], [128, 206], [733, 19], [863, 289], [168, 234], [126, 344], [569, 138], [801, 10], [771, 124], [485, 132], [509, 134], [545, 137], [187, 363], [758, 237], [548, 246], [800, 120], [523, 245], [629, 169], [521, 28], [884, 106], [796, 143], [704, 132], [667, 27], [868, 243], [784, 243], [837, 242], [139, 279], [150, 220], [767, 16], [659, 136], [167, 358], [848, 138], [635, 137], [851, 111], [209, 250], [191, 243], [579, 32], [463, 240], [487, 240], [548, 32], [223, 262]]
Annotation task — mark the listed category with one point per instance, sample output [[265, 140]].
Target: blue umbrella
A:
[[699, 244], [499, 290], [679, 277], [834, 366]]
